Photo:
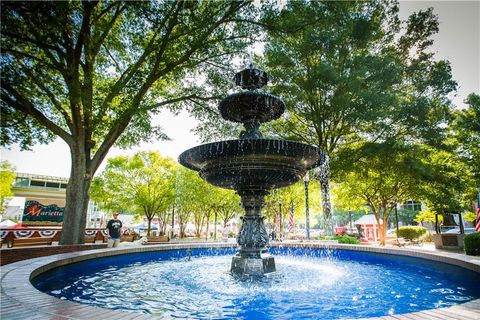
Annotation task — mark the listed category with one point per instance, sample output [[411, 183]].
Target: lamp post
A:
[[396, 220], [350, 219], [281, 220], [478, 200], [307, 209]]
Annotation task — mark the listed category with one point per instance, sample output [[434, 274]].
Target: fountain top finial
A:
[[251, 78]]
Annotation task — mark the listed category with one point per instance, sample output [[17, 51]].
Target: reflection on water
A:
[[304, 287]]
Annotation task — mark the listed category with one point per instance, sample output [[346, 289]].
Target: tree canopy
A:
[[348, 71], [466, 126], [94, 73], [351, 74], [7, 177], [143, 184]]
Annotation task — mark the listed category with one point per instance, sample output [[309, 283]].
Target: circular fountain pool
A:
[[309, 284]]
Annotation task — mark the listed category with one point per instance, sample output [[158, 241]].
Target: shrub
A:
[[346, 239], [471, 243], [326, 238], [428, 237], [411, 232]]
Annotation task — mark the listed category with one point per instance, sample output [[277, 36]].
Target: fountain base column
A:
[[253, 266], [252, 259]]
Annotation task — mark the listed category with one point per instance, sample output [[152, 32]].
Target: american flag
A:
[[291, 224], [477, 227]]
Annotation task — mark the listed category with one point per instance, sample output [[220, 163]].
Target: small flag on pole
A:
[[291, 224], [477, 227]]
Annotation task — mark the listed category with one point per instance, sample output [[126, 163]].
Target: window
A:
[[21, 182], [36, 183], [55, 185], [412, 205]]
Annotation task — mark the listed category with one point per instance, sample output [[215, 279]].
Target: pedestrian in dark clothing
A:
[[114, 227]]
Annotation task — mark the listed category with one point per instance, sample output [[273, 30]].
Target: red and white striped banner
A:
[[47, 233], [23, 233], [90, 233]]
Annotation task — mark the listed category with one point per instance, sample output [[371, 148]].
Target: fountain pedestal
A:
[[252, 266], [252, 259]]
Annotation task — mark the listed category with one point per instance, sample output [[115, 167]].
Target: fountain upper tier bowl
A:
[[252, 164], [251, 106]]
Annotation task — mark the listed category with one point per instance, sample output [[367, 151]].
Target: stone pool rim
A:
[[21, 300]]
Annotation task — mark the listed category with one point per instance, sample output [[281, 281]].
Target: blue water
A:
[[308, 284]]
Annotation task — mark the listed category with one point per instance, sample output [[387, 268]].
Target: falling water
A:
[[324, 178]]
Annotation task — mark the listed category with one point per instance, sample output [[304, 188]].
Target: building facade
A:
[[47, 190]]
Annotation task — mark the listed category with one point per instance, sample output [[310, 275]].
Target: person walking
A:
[[114, 227]]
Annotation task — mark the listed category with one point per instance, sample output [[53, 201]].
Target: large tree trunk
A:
[[215, 227], [325, 191], [207, 229], [383, 227], [77, 198], [182, 226], [149, 224]]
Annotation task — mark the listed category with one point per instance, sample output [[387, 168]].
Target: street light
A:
[[281, 220], [350, 219], [307, 209]]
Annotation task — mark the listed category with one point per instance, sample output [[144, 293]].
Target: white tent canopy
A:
[[367, 219], [7, 223]]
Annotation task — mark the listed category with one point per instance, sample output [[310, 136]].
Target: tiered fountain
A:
[[252, 166]]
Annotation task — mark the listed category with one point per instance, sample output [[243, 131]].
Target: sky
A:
[[457, 41]]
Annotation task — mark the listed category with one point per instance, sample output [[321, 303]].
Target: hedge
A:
[[346, 239], [411, 232], [471, 242]]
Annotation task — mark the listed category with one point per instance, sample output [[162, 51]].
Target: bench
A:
[[157, 239], [400, 242], [34, 241], [89, 239], [127, 238]]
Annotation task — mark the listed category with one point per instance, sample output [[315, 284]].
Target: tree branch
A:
[[50, 95], [25, 106]]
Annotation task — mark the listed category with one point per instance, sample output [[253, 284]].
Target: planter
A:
[[448, 241]]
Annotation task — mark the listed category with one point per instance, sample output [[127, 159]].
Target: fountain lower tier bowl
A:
[[252, 164]]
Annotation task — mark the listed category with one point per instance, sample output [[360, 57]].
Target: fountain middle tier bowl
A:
[[252, 164], [250, 106]]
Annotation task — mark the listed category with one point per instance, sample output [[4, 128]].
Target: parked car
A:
[[352, 232], [457, 230], [391, 233]]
